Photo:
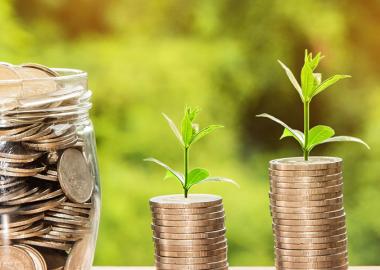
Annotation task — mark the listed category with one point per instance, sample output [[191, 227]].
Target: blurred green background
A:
[[146, 57]]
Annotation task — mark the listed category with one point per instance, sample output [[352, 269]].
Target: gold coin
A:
[[203, 266], [179, 201], [43, 68], [308, 253], [334, 171], [344, 267], [66, 221], [189, 248], [310, 185], [306, 210], [312, 246], [301, 198], [191, 260], [338, 262], [74, 175], [298, 163], [38, 260], [318, 203], [184, 236], [325, 258], [307, 191], [39, 242], [81, 249], [305, 179], [317, 240], [15, 258], [189, 217], [328, 233], [324, 215], [40, 206], [307, 222], [16, 221], [176, 242], [29, 198], [188, 223], [311, 228], [196, 254], [187, 211], [187, 230]]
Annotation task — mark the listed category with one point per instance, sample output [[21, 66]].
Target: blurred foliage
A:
[[146, 57]]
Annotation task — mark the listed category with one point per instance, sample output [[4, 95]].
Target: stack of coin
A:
[[306, 203], [46, 176], [189, 233]]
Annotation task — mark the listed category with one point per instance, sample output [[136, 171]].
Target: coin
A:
[[300, 198], [184, 236], [300, 185], [204, 229], [203, 266], [75, 176], [323, 215], [79, 251], [15, 258], [191, 260], [312, 246], [187, 211], [179, 201], [314, 173], [197, 254], [308, 191], [306, 210], [189, 223], [298, 163], [175, 242], [310, 228], [305, 179], [309, 253], [316, 240], [189, 217], [37, 258], [306, 203], [311, 234]]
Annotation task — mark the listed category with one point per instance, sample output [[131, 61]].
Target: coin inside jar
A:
[[75, 176]]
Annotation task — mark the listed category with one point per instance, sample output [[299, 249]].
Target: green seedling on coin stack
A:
[[311, 85], [189, 134]]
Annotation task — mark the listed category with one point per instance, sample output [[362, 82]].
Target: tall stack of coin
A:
[[47, 177], [189, 233], [306, 202]]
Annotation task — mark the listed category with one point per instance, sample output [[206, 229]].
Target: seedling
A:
[[190, 133], [311, 85]]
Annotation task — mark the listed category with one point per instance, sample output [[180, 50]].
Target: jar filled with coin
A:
[[49, 182]]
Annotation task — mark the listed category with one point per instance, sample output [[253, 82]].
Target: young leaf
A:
[[307, 81], [195, 176], [296, 134], [187, 129], [314, 62], [317, 79], [219, 179], [287, 133], [318, 134], [292, 79], [205, 131], [174, 128], [330, 81], [346, 139], [178, 175]]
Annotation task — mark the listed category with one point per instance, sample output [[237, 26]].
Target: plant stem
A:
[[306, 127], [186, 170]]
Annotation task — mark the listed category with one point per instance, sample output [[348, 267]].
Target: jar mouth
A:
[[65, 74]]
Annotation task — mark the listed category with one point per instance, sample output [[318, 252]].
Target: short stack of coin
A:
[[189, 233], [46, 180], [306, 202]]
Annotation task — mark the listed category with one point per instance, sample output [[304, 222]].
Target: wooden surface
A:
[[231, 268]]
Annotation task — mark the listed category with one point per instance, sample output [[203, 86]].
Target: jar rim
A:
[[66, 74]]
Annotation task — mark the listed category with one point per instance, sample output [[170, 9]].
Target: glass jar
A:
[[49, 181]]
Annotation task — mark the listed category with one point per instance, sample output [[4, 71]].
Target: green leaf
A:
[[346, 139], [319, 134], [317, 79], [187, 129], [292, 79], [219, 179], [296, 134], [327, 83], [174, 128], [178, 175], [307, 81], [195, 176], [313, 62], [288, 133], [205, 131]]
